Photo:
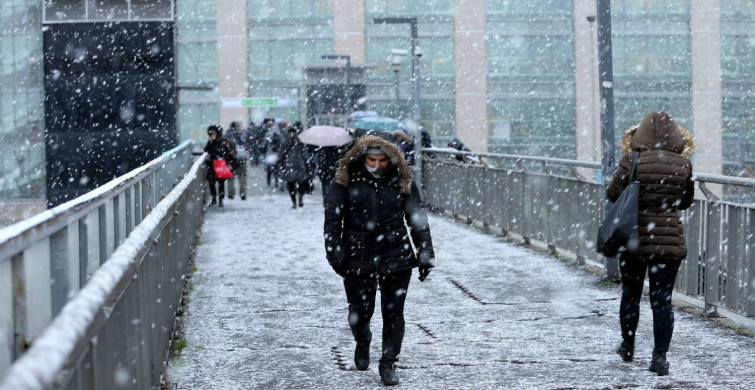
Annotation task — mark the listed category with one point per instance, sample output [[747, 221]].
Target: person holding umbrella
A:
[[332, 143], [368, 208]]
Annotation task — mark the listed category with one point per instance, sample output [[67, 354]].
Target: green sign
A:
[[259, 102]]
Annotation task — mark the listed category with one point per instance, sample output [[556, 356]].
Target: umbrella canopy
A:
[[325, 136], [360, 114], [378, 123]]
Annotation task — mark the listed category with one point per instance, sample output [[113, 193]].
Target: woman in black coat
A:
[[294, 165], [369, 205], [218, 148], [666, 186]]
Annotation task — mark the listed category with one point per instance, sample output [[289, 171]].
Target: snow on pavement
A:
[[267, 312]]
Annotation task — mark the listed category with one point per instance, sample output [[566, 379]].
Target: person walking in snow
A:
[[369, 205], [666, 186], [218, 148], [294, 165], [241, 140]]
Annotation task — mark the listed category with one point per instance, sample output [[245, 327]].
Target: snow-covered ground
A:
[[268, 312]]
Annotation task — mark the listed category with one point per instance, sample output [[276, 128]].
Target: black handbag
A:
[[618, 232]]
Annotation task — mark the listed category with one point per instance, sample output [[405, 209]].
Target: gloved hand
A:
[[339, 268], [423, 272]]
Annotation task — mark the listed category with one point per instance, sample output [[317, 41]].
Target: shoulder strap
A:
[[635, 161]]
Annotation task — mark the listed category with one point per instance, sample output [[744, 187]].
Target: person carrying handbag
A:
[[664, 173]]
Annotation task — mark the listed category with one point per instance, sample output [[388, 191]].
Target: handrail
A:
[[69, 243], [52, 357], [563, 212], [706, 177], [11, 235]]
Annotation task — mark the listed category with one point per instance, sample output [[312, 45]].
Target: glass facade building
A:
[[283, 37], [738, 85], [530, 67], [196, 67], [22, 145]]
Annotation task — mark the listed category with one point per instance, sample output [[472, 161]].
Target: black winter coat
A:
[[366, 217], [294, 162]]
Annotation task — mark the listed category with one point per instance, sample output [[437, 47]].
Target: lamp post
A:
[[412, 22], [605, 73], [348, 73], [396, 60]]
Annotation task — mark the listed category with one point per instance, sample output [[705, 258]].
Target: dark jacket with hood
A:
[[666, 185], [294, 164], [366, 216], [221, 148]]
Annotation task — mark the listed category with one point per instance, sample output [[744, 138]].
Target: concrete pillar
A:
[[348, 29], [232, 58], [705, 31], [471, 74], [586, 81]]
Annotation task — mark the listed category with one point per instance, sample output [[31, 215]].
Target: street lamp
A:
[[398, 56], [412, 22], [348, 72]]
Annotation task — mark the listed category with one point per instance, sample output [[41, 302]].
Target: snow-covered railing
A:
[[72, 311], [549, 201]]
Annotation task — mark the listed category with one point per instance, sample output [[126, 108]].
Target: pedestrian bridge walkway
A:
[[90, 293], [266, 311]]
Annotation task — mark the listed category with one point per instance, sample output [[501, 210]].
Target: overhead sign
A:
[[283, 101]]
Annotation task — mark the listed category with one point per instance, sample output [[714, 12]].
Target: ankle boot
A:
[[220, 202], [214, 201], [387, 371], [658, 363], [362, 355], [626, 350]]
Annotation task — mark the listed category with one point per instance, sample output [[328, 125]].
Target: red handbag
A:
[[221, 169]]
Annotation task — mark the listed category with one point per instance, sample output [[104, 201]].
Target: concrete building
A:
[[508, 76]]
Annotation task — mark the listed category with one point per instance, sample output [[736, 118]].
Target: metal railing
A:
[[89, 289], [549, 200]]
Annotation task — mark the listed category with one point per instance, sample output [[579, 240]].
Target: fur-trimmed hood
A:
[[356, 155], [658, 131]]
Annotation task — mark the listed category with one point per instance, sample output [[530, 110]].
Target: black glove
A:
[[339, 268], [423, 272]]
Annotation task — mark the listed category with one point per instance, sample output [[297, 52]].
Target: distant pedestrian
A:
[[666, 186], [256, 143], [294, 165], [218, 148], [406, 143], [326, 159], [369, 205], [241, 140], [273, 144]]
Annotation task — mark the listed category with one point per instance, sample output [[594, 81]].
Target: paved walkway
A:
[[266, 312]]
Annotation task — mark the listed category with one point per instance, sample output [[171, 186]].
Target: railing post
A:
[[32, 303], [713, 259], [6, 314]]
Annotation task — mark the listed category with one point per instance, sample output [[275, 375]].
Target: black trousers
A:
[[295, 187], [662, 277], [220, 184], [361, 291]]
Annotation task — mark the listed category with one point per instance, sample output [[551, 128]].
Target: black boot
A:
[[658, 364], [626, 350], [301, 201], [362, 355], [220, 202], [387, 369], [214, 201]]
